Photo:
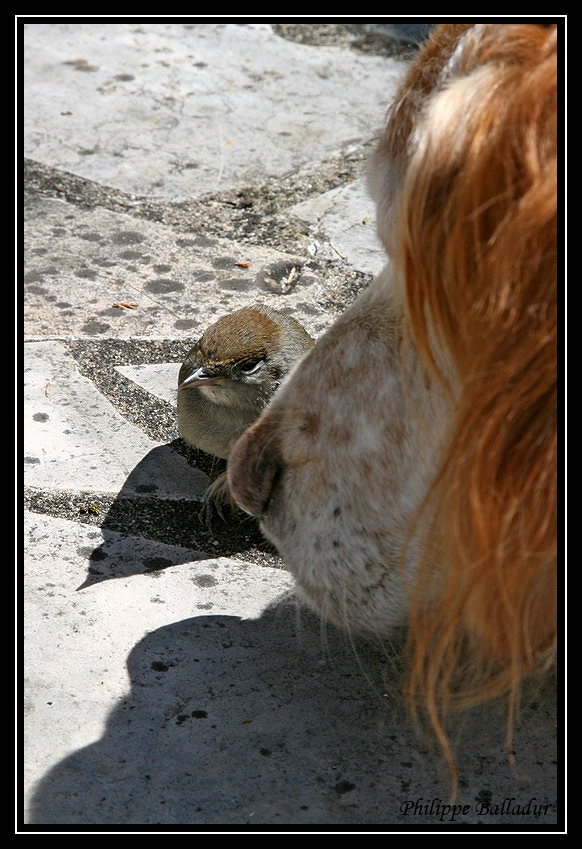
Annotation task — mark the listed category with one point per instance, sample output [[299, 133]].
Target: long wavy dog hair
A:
[[473, 237]]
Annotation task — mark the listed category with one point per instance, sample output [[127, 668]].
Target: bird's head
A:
[[241, 358]]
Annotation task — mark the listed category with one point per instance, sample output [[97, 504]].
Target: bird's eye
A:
[[250, 366]]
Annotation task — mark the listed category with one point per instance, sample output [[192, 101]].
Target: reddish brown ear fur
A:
[[475, 242]]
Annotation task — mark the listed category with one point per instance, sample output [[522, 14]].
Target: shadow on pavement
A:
[[280, 720], [141, 510]]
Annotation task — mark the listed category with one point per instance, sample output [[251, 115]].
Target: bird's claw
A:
[[216, 498]]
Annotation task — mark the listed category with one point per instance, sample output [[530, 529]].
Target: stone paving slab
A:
[[346, 219], [80, 263], [174, 111], [75, 440], [77, 672], [233, 706], [160, 379], [172, 679]]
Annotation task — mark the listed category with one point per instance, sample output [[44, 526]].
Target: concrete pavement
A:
[[175, 172]]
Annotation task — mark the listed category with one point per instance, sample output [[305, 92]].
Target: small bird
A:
[[228, 378]]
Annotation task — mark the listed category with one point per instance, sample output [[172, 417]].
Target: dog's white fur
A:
[[358, 457]]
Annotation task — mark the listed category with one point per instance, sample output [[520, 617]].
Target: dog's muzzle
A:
[[255, 467]]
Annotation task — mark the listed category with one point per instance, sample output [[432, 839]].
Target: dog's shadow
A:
[[160, 504], [232, 721]]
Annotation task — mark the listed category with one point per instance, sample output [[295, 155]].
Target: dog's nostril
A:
[[254, 467]]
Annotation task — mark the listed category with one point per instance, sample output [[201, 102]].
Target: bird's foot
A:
[[217, 499]]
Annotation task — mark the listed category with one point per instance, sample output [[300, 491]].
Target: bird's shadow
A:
[[154, 521]]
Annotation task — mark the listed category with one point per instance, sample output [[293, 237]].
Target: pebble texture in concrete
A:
[[176, 172]]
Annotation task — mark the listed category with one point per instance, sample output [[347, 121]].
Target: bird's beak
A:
[[200, 377]]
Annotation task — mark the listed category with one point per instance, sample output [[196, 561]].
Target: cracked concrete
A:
[[171, 679]]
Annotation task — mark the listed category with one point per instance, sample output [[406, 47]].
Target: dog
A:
[[406, 471]]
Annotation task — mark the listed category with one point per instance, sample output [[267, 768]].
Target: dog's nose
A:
[[254, 466]]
